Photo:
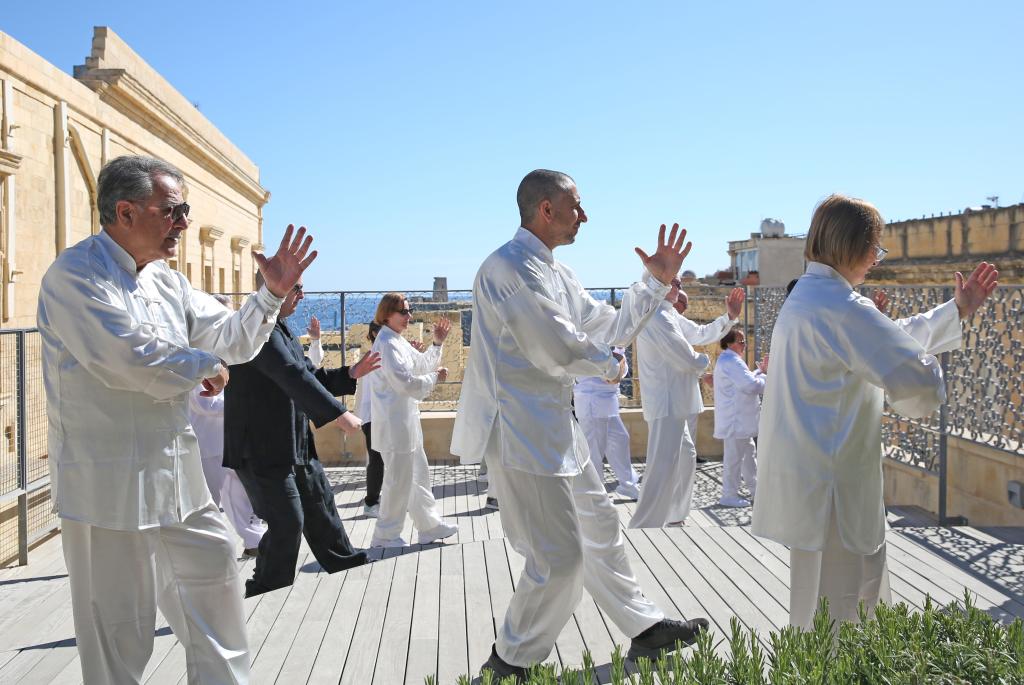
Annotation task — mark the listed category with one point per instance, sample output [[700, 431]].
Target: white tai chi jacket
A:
[[737, 397], [705, 334], [406, 376], [596, 398], [534, 330], [834, 359], [669, 367], [121, 351]]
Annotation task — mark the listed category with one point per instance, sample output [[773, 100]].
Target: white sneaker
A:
[[736, 501], [371, 510], [393, 542], [627, 491], [439, 532]]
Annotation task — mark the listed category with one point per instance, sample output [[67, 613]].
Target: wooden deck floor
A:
[[433, 609]]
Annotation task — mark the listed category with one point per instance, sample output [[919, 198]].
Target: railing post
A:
[[944, 518], [611, 296], [341, 297], [22, 447]]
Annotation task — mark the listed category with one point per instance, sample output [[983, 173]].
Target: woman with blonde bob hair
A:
[[835, 359], [405, 378]]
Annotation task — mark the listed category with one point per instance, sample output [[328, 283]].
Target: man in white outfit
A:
[[597, 409], [124, 340], [534, 330], [705, 334], [737, 408], [669, 372]]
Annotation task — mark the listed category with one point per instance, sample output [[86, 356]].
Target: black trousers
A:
[[295, 500], [374, 470]]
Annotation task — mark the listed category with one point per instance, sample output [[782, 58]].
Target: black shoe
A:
[[500, 669], [492, 503], [351, 562], [663, 635], [701, 460]]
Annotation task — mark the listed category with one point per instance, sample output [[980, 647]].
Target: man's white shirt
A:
[[121, 351]]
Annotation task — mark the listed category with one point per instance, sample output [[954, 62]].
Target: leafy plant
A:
[[958, 644]]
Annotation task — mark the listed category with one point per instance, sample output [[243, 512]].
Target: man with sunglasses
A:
[[125, 339], [267, 440]]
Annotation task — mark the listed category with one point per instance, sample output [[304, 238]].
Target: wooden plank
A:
[[747, 581], [362, 651], [298, 665], [481, 622], [393, 653], [269, 661], [423, 636], [331, 657], [452, 657]]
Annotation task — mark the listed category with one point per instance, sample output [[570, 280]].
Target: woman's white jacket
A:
[[834, 360], [737, 397], [406, 376]]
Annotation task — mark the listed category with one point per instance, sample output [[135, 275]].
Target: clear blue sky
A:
[[399, 131]]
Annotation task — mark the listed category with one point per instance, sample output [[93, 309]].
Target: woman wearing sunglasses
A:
[[406, 377]]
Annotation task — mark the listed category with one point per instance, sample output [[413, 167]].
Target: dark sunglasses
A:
[[405, 312], [177, 212]]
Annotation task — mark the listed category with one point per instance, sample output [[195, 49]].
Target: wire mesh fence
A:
[[25, 507]]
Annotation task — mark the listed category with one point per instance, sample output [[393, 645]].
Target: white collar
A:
[[533, 244]]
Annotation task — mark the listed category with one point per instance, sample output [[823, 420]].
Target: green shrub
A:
[[954, 645]]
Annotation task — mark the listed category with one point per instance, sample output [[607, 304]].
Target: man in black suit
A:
[[267, 440]]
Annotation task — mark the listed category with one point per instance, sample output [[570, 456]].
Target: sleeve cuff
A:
[[657, 286]]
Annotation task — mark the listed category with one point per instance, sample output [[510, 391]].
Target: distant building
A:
[[930, 249], [769, 257]]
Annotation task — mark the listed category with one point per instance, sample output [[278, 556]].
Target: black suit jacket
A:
[[270, 401]]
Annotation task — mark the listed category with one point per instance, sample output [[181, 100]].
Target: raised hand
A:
[[282, 271], [369, 362], [709, 378], [441, 329], [763, 364], [417, 345], [881, 301], [666, 261], [314, 328], [442, 374], [734, 302], [973, 292]]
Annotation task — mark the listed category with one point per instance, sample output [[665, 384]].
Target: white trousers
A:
[[568, 531], [608, 438], [739, 458], [406, 490], [228, 493], [667, 490], [188, 570], [844, 577]]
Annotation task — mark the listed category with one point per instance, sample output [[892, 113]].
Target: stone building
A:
[[929, 250], [56, 132], [772, 256]]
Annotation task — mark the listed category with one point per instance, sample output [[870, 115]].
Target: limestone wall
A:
[[928, 250], [978, 477]]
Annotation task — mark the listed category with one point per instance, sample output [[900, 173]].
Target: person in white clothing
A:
[[705, 334], [737, 409], [596, 402], [405, 378], [207, 417], [835, 358], [535, 328], [125, 339], [206, 413], [669, 372]]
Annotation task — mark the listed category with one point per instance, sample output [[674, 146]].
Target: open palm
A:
[[282, 271], [666, 261]]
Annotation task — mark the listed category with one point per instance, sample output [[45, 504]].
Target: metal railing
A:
[[25, 509], [984, 379]]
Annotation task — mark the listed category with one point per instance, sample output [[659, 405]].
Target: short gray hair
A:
[[129, 177], [537, 186]]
